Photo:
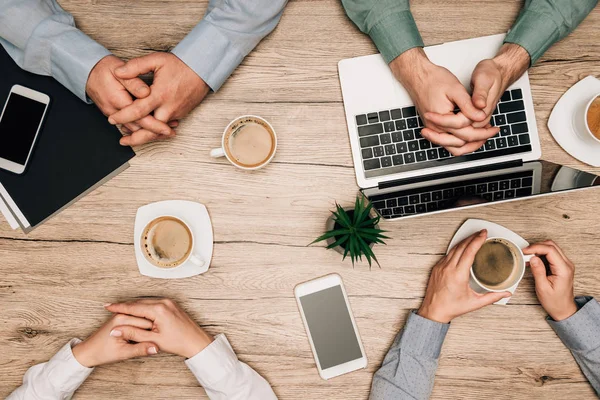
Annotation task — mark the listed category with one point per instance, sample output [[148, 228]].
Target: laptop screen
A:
[[477, 188]]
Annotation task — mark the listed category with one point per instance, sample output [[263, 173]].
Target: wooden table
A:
[[55, 280]]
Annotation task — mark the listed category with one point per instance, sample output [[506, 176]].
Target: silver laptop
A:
[[405, 175]]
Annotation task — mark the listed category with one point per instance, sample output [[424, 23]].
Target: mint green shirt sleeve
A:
[[542, 23], [389, 23]]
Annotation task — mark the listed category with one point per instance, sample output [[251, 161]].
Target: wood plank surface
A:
[[54, 281]]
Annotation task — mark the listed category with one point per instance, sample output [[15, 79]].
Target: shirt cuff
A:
[[73, 56], [213, 363], [535, 32], [209, 53], [395, 34], [580, 330], [64, 371], [422, 336]]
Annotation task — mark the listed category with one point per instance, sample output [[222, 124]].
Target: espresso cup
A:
[[168, 242], [516, 275], [587, 120], [249, 142]]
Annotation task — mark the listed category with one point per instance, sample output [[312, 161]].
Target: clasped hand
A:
[[145, 113], [437, 93], [142, 328]]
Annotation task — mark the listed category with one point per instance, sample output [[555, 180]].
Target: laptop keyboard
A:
[[446, 196], [391, 140]]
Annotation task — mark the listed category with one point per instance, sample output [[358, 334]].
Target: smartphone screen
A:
[[330, 326], [18, 127]]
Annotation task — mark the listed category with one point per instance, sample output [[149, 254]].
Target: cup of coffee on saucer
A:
[[587, 120], [499, 265], [168, 242], [249, 142]]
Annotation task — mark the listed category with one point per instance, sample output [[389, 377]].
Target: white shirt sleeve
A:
[[223, 376], [56, 379]]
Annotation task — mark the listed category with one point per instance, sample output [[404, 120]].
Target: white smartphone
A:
[[20, 123], [330, 326]]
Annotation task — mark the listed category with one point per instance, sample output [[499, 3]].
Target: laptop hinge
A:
[[450, 174]]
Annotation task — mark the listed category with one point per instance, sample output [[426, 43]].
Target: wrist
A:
[[410, 67], [83, 355], [564, 313], [199, 342], [433, 313], [512, 61]]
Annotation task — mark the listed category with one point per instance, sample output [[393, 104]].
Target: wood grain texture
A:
[[55, 280]]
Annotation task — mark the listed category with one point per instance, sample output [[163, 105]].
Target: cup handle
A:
[[197, 261], [527, 257], [216, 153]]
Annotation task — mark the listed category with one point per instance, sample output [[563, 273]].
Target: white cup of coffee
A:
[[499, 265], [587, 120], [249, 142], [168, 242]]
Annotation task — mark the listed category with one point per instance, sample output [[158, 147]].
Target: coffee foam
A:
[[486, 268], [250, 142], [167, 242]]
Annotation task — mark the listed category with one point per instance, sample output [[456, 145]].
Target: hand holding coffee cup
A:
[[554, 291], [249, 143], [449, 293]]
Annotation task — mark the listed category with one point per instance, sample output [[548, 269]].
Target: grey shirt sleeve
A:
[[408, 369], [581, 334]]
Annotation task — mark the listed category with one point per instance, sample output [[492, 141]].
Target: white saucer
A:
[[196, 217], [472, 226], [561, 125]]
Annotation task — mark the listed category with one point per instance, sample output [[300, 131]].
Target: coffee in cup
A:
[[495, 264], [167, 242], [592, 117], [249, 142], [499, 265]]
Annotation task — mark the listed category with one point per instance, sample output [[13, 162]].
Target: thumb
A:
[[480, 95], [461, 98], [492, 297], [137, 66], [538, 270], [133, 334], [139, 350]]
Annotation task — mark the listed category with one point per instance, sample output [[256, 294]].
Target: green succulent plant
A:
[[354, 233]]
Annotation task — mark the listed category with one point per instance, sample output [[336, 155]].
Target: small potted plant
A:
[[353, 232]]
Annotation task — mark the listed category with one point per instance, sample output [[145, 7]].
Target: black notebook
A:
[[76, 151]]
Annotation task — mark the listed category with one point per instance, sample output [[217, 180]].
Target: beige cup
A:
[[236, 127], [580, 121], [515, 278]]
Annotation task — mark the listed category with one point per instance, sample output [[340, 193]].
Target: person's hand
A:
[[436, 92], [448, 292], [175, 91], [101, 348], [491, 78], [555, 291], [172, 329], [110, 94]]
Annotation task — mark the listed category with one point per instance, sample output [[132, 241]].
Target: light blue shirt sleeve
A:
[[229, 31], [42, 38], [408, 369], [581, 334]]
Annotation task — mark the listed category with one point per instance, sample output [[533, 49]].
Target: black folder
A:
[[76, 150]]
